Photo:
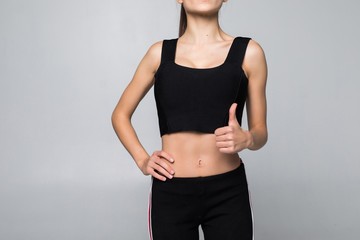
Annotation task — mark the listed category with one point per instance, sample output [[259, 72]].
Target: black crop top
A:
[[199, 99]]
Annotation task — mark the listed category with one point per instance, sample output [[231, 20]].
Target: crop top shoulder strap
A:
[[168, 50], [236, 52]]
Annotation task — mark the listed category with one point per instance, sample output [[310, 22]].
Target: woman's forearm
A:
[[259, 137], [127, 136]]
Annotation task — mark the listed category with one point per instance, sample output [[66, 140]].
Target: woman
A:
[[201, 82]]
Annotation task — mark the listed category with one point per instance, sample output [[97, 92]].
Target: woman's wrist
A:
[[250, 141]]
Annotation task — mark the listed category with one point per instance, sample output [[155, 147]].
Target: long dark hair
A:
[[183, 21]]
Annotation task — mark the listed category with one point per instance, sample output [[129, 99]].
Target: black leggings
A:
[[220, 203]]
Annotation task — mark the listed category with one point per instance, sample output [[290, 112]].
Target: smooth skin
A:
[[192, 153]]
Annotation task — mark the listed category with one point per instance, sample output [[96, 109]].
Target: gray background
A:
[[64, 65]]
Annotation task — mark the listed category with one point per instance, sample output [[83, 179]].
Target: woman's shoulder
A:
[[254, 58], [254, 49], [155, 49], [154, 53]]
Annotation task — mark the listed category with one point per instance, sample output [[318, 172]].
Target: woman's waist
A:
[[196, 154], [189, 163], [192, 166]]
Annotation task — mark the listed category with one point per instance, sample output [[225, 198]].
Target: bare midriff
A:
[[196, 154]]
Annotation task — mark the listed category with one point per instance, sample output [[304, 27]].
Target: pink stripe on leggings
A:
[[149, 209]]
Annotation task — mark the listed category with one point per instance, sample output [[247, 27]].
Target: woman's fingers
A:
[[161, 170], [165, 155], [165, 168], [155, 162], [224, 138], [158, 176]]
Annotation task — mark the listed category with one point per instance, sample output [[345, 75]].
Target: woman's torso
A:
[[192, 103]]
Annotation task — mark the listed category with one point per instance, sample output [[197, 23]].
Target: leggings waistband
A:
[[215, 177]]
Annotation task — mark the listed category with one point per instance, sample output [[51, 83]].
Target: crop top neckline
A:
[[204, 69]]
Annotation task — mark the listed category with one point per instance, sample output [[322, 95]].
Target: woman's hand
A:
[[156, 162], [233, 138]]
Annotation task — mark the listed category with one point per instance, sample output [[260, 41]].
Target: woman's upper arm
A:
[[141, 82], [256, 69]]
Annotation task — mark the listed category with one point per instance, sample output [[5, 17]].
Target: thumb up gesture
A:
[[232, 138]]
